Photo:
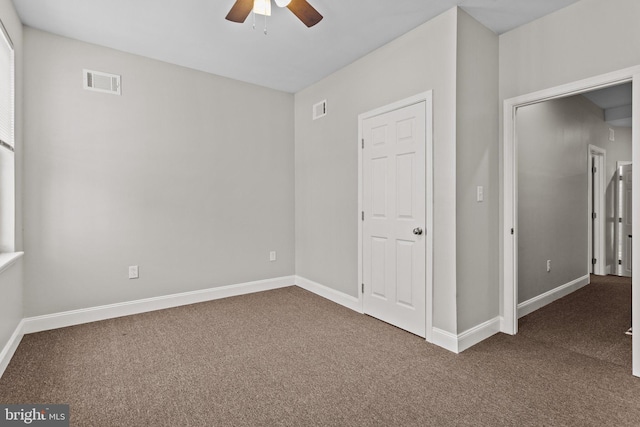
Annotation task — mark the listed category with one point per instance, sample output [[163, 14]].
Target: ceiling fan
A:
[[301, 8]]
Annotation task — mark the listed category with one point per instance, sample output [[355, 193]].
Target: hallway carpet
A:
[[288, 357], [591, 321]]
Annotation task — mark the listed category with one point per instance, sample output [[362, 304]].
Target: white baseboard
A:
[[540, 301], [470, 337], [331, 294], [478, 333], [444, 339], [10, 348], [93, 314], [447, 340], [439, 337]]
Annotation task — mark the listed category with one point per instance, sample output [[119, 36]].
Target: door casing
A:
[[597, 234]]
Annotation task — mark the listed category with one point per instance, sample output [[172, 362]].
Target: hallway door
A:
[[624, 204]]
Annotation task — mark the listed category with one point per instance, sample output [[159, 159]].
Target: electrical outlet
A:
[[548, 265], [133, 272], [272, 256]]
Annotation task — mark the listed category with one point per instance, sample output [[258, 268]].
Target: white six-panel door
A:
[[393, 231]]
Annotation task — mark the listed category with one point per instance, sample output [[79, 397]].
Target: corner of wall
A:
[[477, 181]]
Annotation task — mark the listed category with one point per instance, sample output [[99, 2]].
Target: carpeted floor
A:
[[591, 321], [288, 357]]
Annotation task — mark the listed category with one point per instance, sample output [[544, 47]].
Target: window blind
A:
[[7, 90]]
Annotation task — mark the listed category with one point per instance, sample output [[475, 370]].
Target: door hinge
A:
[[620, 178], [363, 143], [363, 288], [363, 215], [594, 261], [619, 262], [512, 231], [620, 220], [594, 215], [594, 170]]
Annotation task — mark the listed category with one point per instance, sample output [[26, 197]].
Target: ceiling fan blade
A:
[[240, 10], [305, 12]]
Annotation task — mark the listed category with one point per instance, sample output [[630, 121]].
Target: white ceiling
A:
[[194, 33]]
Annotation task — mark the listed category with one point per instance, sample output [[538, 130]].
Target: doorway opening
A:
[[522, 215]]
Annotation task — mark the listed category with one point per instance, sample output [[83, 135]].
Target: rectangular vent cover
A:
[[320, 109], [101, 82]]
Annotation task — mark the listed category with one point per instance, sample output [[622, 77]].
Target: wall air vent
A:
[[320, 109], [101, 82]]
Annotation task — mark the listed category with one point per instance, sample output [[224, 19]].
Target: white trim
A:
[[93, 314], [478, 333], [508, 257], [533, 304], [635, 208], [622, 163], [331, 294], [509, 223], [449, 341], [427, 98], [10, 348], [600, 267], [9, 258], [429, 213], [444, 339], [467, 339]]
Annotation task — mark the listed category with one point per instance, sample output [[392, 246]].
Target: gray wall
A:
[[476, 165], [586, 39], [11, 279], [327, 157], [553, 140], [188, 175]]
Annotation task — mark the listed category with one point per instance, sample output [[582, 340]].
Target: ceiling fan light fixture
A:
[[300, 8], [262, 7]]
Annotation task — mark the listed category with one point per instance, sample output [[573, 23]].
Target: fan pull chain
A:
[[265, 25], [254, 20]]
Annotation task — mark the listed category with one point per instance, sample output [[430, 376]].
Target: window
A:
[[7, 143], [7, 91]]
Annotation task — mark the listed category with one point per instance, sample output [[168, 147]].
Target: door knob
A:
[[417, 231]]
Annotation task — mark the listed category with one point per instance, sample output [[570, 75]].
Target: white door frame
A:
[[600, 268], [427, 98], [618, 233], [622, 163], [509, 195]]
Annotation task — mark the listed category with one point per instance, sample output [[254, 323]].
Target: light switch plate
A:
[[133, 272]]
